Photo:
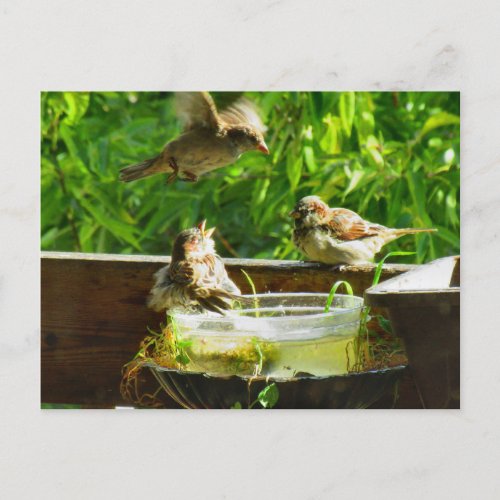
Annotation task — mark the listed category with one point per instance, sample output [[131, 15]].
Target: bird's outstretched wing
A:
[[204, 282], [347, 225], [197, 110], [183, 272], [242, 112], [224, 281]]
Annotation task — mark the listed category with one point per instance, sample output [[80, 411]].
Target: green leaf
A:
[[66, 134], [183, 343], [417, 186], [49, 237], [347, 106], [294, 170], [439, 120], [355, 179], [77, 104], [236, 406], [448, 236], [269, 396], [451, 207], [373, 149], [365, 125], [309, 159], [182, 358], [376, 157], [329, 141], [384, 323], [119, 229]]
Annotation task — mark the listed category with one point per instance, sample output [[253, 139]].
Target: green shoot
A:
[[258, 366], [179, 345], [378, 269], [252, 286], [333, 291]]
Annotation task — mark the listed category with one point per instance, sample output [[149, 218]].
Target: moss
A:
[[250, 357]]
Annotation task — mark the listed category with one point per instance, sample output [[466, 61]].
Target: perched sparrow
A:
[[338, 235], [210, 139], [196, 277]]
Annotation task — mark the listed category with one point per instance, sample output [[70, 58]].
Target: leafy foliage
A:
[[269, 396], [391, 156]]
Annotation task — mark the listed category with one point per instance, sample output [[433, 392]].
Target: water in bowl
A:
[[277, 339]]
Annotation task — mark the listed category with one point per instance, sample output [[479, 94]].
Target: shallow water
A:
[[280, 337], [243, 355]]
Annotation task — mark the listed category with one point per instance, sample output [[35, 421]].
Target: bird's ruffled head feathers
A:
[[247, 138], [310, 211], [194, 243]]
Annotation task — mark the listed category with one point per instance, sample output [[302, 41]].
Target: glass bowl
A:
[[278, 335]]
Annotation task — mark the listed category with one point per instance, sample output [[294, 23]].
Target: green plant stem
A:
[[333, 291], [255, 299]]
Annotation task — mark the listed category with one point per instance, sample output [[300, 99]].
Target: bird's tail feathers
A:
[[409, 230], [139, 170], [217, 300]]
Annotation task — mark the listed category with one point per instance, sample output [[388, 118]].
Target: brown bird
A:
[[338, 235], [210, 139], [196, 278]]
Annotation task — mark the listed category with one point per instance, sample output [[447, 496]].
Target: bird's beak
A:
[[294, 214], [263, 147], [209, 232], [201, 226], [206, 233]]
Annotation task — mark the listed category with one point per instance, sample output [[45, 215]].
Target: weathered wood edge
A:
[[229, 261]]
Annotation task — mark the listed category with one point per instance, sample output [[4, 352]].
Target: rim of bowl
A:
[[277, 319], [373, 371]]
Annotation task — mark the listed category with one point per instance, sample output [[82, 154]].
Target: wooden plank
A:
[[94, 314]]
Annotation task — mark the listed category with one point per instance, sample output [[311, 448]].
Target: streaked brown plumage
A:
[[338, 235], [196, 278], [210, 139]]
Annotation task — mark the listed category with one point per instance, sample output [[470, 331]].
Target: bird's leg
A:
[[171, 178], [189, 177], [338, 268]]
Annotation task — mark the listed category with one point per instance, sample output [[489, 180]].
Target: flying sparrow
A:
[[196, 277], [210, 139], [338, 235]]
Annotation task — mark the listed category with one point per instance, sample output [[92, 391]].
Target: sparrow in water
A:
[[338, 235], [210, 139], [196, 278]]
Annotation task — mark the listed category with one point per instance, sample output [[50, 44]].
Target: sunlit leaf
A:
[[77, 104], [354, 180], [347, 106], [269, 396], [329, 141], [439, 120], [119, 229], [309, 159], [294, 171]]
